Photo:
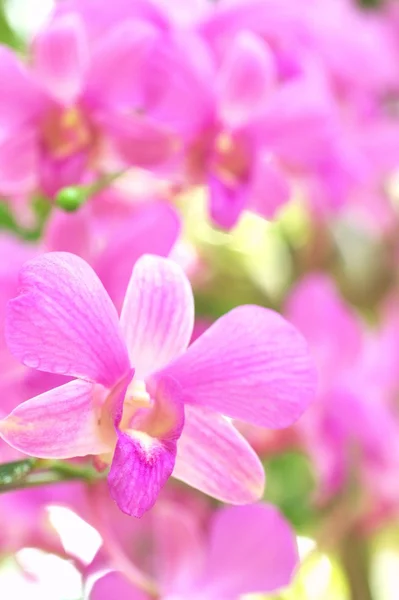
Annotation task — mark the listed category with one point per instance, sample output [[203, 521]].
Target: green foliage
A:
[[290, 485], [41, 208], [7, 34], [12, 472]]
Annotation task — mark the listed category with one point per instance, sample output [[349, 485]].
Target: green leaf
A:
[[15, 471], [290, 486]]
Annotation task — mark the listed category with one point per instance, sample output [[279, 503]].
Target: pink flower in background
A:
[[194, 563], [25, 517], [142, 402], [111, 233], [53, 112], [353, 416]]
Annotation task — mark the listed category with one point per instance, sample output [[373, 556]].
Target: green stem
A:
[[31, 473], [355, 560]]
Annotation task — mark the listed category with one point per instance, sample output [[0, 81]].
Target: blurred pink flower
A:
[[54, 115], [25, 517], [194, 563], [132, 417], [111, 234], [353, 416]]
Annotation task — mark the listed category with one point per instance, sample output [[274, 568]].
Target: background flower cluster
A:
[[199, 217]]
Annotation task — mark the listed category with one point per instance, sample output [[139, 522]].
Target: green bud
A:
[[71, 198]]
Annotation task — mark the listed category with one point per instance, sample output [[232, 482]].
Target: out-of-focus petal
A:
[[64, 322], [331, 329], [227, 201], [140, 141], [101, 17], [21, 99], [158, 314], [214, 458], [70, 232], [152, 229], [114, 585], [118, 61], [18, 163], [246, 79], [269, 188], [60, 423], [252, 549], [177, 90], [181, 556], [61, 57], [250, 365]]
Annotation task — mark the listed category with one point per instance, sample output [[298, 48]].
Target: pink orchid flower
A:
[[196, 564], [142, 401], [54, 112], [353, 413]]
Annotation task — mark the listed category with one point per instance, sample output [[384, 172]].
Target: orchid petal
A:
[[60, 423], [154, 228], [61, 58], [146, 450], [250, 365], [246, 79], [117, 63], [140, 141], [103, 17], [215, 459], [181, 556], [158, 314], [140, 468], [20, 100], [64, 322], [269, 188], [114, 585], [227, 201], [264, 559], [330, 327], [19, 162]]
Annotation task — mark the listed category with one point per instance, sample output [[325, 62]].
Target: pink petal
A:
[[20, 100], [246, 79], [114, 78], [140, 141], [19, 162], [61, 57], [101, 17], [251, 365], [252, 549], [139, 470], [153, 228], [227, 201], [145, 453], [64, 322], [330, 327], [215, 459], [70, 232], [114, 585], [60, 423], [158, 314], [176, 81], [269, 188], [181, 556]]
